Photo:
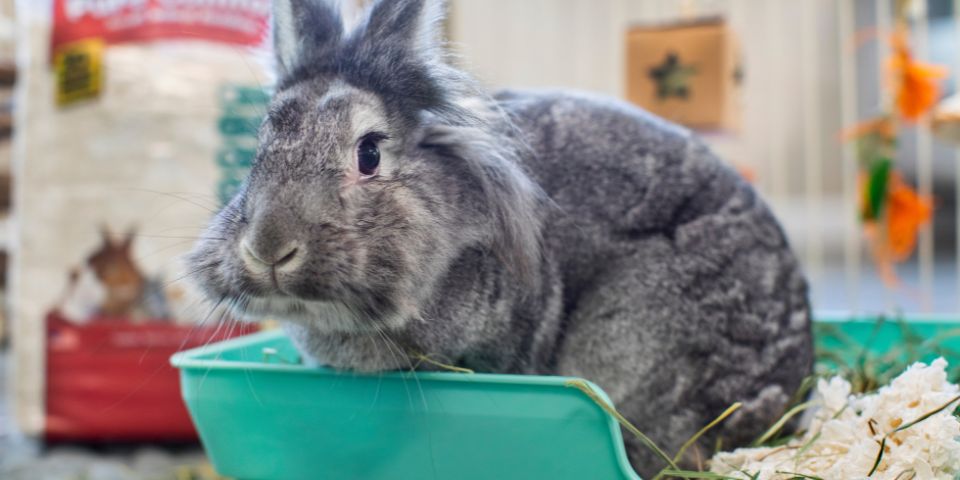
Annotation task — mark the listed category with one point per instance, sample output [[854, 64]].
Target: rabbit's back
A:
[[615, 168], [681, 293], [619, 176]]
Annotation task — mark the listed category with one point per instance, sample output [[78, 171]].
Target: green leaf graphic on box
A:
[[237, 126], [235, 157], [242, 110], [240, 95]]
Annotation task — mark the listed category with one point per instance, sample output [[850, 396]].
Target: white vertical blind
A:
[[812, 135], [924, 169], [882, 23], [775, 66], [848, 114]]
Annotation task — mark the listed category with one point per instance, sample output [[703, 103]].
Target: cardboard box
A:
[[688, 73]]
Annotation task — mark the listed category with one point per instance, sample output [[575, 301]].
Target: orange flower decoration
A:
[[893, 213], [906, 212], [916, 84]]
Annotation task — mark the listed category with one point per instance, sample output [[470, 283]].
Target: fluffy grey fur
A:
[[548, 233]]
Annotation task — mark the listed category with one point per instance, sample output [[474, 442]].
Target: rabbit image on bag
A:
[[396, 207]]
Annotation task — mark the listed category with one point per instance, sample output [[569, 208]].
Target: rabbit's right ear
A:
[[106, 234], [304, 30]]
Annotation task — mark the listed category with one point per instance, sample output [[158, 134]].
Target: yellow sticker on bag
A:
[[79, 70]]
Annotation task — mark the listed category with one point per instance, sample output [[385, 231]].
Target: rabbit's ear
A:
[[106, 234], [304, 30], [413, 25], [128, 239]]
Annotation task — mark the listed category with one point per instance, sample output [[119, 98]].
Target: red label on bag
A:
[[238, 22]]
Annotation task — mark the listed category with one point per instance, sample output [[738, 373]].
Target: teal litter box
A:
[[262, 416]]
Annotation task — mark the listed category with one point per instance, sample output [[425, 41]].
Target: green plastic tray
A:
[[262, 416]]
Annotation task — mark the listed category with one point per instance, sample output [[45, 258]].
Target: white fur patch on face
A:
[[367, 116], [328, 317]]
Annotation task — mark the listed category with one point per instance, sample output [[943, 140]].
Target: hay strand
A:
[[585, 387], [783, 421], [723, 416], [452, 368]]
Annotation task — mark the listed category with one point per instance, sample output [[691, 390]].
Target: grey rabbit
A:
[[396, 207]]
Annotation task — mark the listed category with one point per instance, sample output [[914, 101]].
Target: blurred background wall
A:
[[809, 68]]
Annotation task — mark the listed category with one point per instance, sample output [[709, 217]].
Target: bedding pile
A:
[[911, 421]]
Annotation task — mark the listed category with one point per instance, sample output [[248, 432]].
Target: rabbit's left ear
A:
[[128, 239], [409, 25], [304, 30], [106, 234]]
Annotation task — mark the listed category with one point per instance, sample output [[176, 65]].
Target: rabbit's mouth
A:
[[326, 316], [320, 301]]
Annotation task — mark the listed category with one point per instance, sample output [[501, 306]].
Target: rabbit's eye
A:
[[368, 157]]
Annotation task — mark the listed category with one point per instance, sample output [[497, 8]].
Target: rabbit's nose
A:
[[259, 259]]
